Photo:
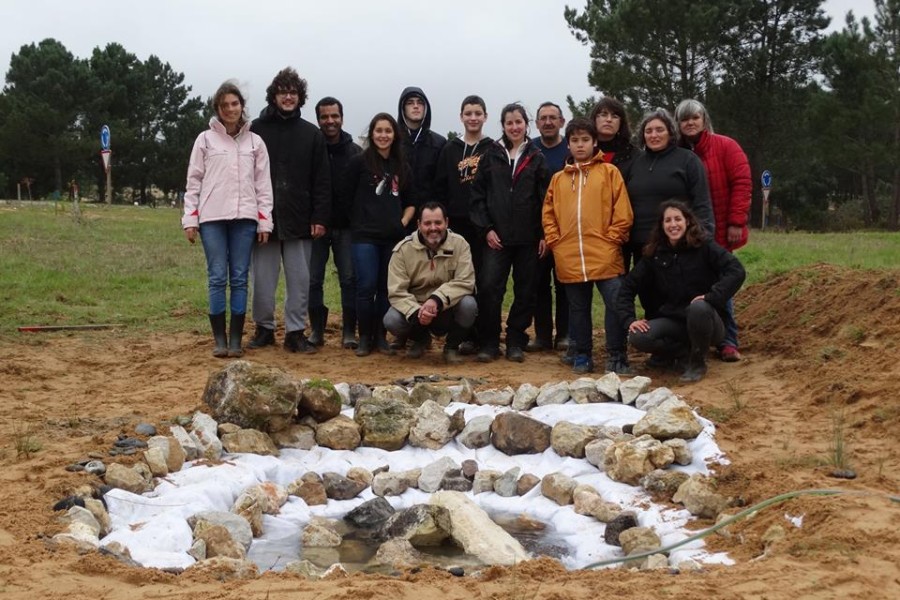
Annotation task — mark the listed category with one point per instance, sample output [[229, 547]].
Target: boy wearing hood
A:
[[301, 182], [421, 146]]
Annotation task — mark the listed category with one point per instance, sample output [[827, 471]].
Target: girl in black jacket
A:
[[507, 196], [693, 277]]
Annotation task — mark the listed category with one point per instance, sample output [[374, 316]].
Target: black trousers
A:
[[495, 268], [544, 309]]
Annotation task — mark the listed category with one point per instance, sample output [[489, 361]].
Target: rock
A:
[[301, 437], [630, 460], [553, 393], [463, 392], [389, 484], [171, 449], [320, 533], [370, 514], [95, 467], [506, 485], [143, 470], [311, 492], [125, 478], [630, 389], [671, 419], [335, 571], [683, 454], [218, 541], [655, 561], [526, 483], [304, 568], [699, 497], [252, 396], [689, 566], [591, 504], [608, 386], [639, 539], [558, 487], [624, 521], [205, 430], [456, 483], [338, 487], [319, 399], [391, 392], [495, 397], [484, 481], [476, 533], [424, 391], [198, 550], [250, 441], [431, 427], [649, 400], [238, 528], [82, 520], [361, 475], [663, 483], [433, 474], [224, 428], [145, 429], [595, 450], [120, 553], [98, 510], [514, 433], [476, 433], [384, 422], [343, 390], [457, 422], [188, 444], [469, 468], [525, 397], [339, 433], [359, 391], [421, 524], [584, 391], [223, 568], [569, 439], [400, 554]]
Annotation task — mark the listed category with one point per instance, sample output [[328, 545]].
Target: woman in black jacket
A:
[[374, 194], [693, 277], [507, 196]]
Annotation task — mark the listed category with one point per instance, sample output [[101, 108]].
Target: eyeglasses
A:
[[287, 93], [548, 118]]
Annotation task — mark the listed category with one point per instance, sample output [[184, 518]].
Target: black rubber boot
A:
[[318, 317], [696, 367], [235, 333], [217, 322], [263, 337], [364, 348], [348, 331]]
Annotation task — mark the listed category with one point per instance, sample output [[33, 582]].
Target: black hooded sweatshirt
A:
[[301, 175], [421, 148], [339, 154], [456, 168]]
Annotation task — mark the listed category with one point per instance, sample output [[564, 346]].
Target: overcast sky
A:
[[363, 52]]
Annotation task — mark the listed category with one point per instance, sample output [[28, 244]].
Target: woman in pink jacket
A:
[[730, 186], [228, 201]]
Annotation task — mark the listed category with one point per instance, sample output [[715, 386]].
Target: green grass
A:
[[132, 265]]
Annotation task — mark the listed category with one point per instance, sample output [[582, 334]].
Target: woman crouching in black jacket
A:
[[693, 277]]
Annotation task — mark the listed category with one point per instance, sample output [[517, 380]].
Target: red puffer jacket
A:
[[730, 184]]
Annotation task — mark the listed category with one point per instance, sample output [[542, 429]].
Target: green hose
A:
[[725, 523]]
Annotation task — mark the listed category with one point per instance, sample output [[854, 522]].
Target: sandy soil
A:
[[819, 342]]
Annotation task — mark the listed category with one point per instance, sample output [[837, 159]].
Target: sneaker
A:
[[486, 355], [569, 357], [515, 354], [263, 337], [582, 364], [729, 354], [452, 357], [295, 341]]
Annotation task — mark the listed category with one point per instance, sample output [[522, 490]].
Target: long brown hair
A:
[[396, 159], [694, 235]]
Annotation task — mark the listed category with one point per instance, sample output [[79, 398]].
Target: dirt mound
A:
[[821, 366]]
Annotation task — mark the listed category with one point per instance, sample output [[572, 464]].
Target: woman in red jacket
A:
[[728, 173]]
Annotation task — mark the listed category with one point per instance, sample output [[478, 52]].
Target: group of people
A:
[[425, 232]]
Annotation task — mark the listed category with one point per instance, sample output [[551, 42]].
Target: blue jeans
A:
[[370, 264], [339, 241], [731, 328], [227, 245], [580, 297]]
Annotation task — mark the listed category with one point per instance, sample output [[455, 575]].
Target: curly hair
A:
[[694, 235], [287, 80], [613, 106]]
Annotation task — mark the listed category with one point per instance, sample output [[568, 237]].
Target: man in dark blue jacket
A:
[[301, 183]]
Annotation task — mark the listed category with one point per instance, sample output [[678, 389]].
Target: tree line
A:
[[821, 112], [54, 105]]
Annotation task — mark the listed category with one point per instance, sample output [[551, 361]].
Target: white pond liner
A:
[[154, 526]]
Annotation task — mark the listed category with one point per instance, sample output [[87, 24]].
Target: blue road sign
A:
[[104, 138], [766, 179]]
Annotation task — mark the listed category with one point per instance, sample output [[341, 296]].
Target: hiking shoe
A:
[[452, 357], [537, 345], [486, 355], [582, 363], [515, 354], [263, 337], [729, 354], [417, 348], [568, 358], [295, 341]]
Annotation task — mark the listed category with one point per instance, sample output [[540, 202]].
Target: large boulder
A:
[[673, 418], [431, 428], [319, 399], [384, 421], [339, 433], [370, 513], [569, 439], [513, 433], [421, 524], [424, 391], [252, 396], [628, 461], [473, 530]]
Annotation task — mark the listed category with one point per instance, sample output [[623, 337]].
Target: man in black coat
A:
[[421, 146], [301, 182]]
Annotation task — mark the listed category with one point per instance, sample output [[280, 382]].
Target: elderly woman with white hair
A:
[[730, 187]]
